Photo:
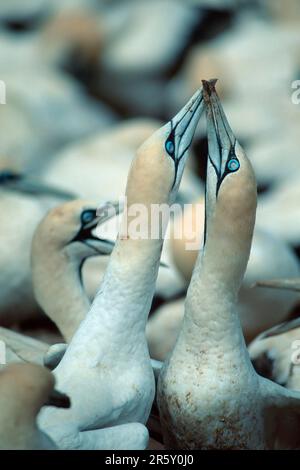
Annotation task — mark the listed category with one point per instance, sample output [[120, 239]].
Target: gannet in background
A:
[[111, 381], [21, 348], [61, 244], [279, 210], [139, 51], [25, 388], [274, 351], [18, 197], [163, 327], [209, 394]]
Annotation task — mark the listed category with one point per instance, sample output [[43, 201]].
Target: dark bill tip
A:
[[58, 399], [209, 87]]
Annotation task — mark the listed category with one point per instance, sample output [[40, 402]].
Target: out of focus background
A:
[[87, 81]]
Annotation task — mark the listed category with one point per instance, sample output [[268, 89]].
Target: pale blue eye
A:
[[233, 164], [87, 216], [170, 147]]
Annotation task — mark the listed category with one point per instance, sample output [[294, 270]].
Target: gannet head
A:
[[230, 190], [157, 169], [69, 228]]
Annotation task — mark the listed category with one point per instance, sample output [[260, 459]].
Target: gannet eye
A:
[[170, 147], [233, 164], [87, 216]]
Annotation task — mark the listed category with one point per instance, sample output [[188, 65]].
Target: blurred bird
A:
[[20, 212], [272, 352], [25, 388], [279, 211], [21, 348]]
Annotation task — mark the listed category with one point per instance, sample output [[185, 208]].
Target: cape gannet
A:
[[111, 381], [209, 395]]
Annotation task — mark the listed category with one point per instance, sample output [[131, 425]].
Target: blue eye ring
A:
[[170, 147], [233, 165], [87, 216]]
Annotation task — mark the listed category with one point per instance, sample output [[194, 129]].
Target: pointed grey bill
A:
[[221, 148], [182, 129], [280, 329], [221, 140], [287, 284], [19, 182]]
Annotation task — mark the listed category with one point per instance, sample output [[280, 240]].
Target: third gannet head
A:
[[62, 242]]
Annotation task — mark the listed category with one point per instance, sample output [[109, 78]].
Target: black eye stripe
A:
[[170, 146], [171, 138], [232, 165]]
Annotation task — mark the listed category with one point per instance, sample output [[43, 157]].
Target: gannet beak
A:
[[19, 182], [183, 127], [288, 284], [185, 122], [99, 216], [222, 158], [58, 399], [221, 140]]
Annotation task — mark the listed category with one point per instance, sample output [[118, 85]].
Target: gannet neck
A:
[[58, 288], [126, 293]]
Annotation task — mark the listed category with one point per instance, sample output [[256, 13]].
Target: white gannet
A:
[[62, 242], [209, 395], [25, 388], [111, 380]]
